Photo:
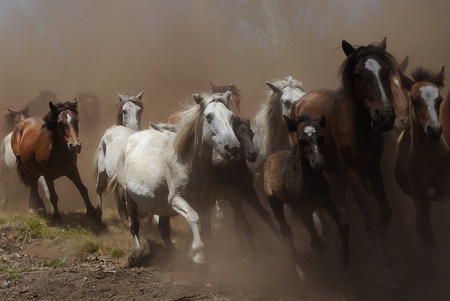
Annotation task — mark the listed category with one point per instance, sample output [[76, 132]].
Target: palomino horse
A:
[[423, 161], [234, 101], [49, 148], [295, 178], [112, 143], [268, 125], [7, 158], [168, 176], [356, 114], [89, 108], [38, 107]]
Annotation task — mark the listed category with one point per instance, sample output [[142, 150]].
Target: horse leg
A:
[[321, 225], [219, 216], [242, 228], [277, 208], [375, 178], [74, 176], [102, 180], [182, 208], [422, 204], [372, 225], [132, 209], [164, 231], [317, 244], [53, 200], [338, 189], [344, 228], [43, 184]]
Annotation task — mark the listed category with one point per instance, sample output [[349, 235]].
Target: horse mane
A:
[[270, 108], [222, 89], [421, 74], [10, 118], [346, 70], [127, 98], [188, 139], [51, 118]]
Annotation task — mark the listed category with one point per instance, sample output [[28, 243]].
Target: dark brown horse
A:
[[444, 117], [357, 113], [295, 178], [38, 107], [89, 109], [48, 147], [234, 102], [423, 162]]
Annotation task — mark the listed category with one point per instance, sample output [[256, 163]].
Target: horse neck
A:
[[418, 138]]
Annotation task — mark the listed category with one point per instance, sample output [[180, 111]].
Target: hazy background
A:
[[173, 48]]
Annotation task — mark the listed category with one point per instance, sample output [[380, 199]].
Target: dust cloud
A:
[[172, 49]]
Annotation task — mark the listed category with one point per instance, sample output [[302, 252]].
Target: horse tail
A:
[[22, 176], [95, 163], [122, 205]]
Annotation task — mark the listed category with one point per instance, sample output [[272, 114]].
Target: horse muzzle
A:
[[318, 164], [231, 153], [434, 132], [251, 156], [383, 119], [75, 147]]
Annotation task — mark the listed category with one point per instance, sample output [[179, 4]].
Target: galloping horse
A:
[[38, 107], [295, 178], [49, 148], [168, 176], [112, 143], [268, 125], [423, 161], [89, 108], [7, 158], [356, 114]]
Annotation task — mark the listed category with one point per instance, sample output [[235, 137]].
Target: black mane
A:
[[421, 74], [52, 116]]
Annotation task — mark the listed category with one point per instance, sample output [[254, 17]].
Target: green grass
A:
[[56, 263]]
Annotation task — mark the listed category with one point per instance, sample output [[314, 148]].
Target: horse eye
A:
[[209, 117]]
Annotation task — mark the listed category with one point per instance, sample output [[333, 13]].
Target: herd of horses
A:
[[303, 149]]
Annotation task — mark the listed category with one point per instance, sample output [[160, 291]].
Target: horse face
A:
[[310, 142], [245, 135], [288, 97], [373, 84], [426, 101], [68, 127], [131, 115], [401, 100], [218, 121]]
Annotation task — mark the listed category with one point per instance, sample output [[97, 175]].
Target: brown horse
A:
[[295, 178], [39, 105], [401, 97], [89, 109], [423, 161], [234, 102], [444, 117], [356, 115], [48, 147]]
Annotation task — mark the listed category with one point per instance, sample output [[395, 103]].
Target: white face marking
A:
[[69, 118], [309, 130], [430, 94], [373, 66]]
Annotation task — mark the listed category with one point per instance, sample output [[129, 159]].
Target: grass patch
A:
[[116, 253], [55, 263], [15, 272], [89, 247]]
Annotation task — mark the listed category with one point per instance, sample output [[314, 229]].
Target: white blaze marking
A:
[[430, 94], [309, 130], [69, 118], [372, 65]]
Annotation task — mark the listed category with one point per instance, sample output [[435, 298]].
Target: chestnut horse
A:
[[357, 113], [295, 178], [423, 161], [48, 147]]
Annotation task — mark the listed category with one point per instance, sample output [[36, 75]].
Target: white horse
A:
[[112, 144], [8, 159], [168, 176]]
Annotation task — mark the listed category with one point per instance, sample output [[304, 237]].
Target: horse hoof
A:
[[199, 260]]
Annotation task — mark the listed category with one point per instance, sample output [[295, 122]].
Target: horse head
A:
[[401, 97], [309, 138], [365, 75], [425, 100], [244, 134], [129, 110], [63, 118], [287, 91], [235, 99]]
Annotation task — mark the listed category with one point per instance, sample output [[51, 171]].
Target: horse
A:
[[112, 143], [401, 97], [171, 176], [423, 163], [89, 108], [7, 158], [444, 118], [48, 147], [357, 114], [268, 125], [295, 178], [234, 102], [39, 105]]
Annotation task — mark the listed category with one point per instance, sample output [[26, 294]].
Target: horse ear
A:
[[291, 124], [10, 111], [121, 97], [407, 83], [274, 88], [227, 95], [404, 64], [213, 87], [382, 45], [198, 99], [348, 49], [75, 101], [232, 84], [51, 106], [438, 79], [139, 96]]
